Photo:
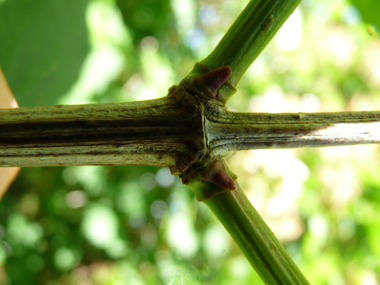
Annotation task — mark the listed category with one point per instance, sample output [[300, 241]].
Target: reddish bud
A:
[[217, 174], [210, 82]]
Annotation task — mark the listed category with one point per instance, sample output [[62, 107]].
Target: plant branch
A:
[[165, 132], [244, 41], [226, 131], [174, 132], [253, 236]]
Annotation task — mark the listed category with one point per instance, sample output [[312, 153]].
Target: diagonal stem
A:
[[245, 40], [253, 236]]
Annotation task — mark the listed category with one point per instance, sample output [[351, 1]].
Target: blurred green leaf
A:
[[369, 10], [146, 17], [43, 45]]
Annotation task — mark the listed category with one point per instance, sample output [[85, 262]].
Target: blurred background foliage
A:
[[139, 224]]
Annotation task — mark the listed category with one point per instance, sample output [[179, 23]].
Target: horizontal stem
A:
[[227, 131], [164, 132], [175, 132]]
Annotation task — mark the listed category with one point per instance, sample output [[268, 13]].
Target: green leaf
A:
[[369, 10], [43, 45], [146, 17]]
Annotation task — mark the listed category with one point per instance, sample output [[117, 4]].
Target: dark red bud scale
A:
[[210, 82], [217, 174]]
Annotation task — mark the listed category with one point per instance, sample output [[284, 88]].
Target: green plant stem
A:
[[245, 225], [167, 132], [163, 132], [230, 131], [244, 41], [246, 38]]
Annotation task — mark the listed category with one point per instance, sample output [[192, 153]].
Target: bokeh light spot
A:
[[149, 44], [65, 259], [158, 209], [76, 199], [100, 225], [137, 220], [165, 178], [148, 181]]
